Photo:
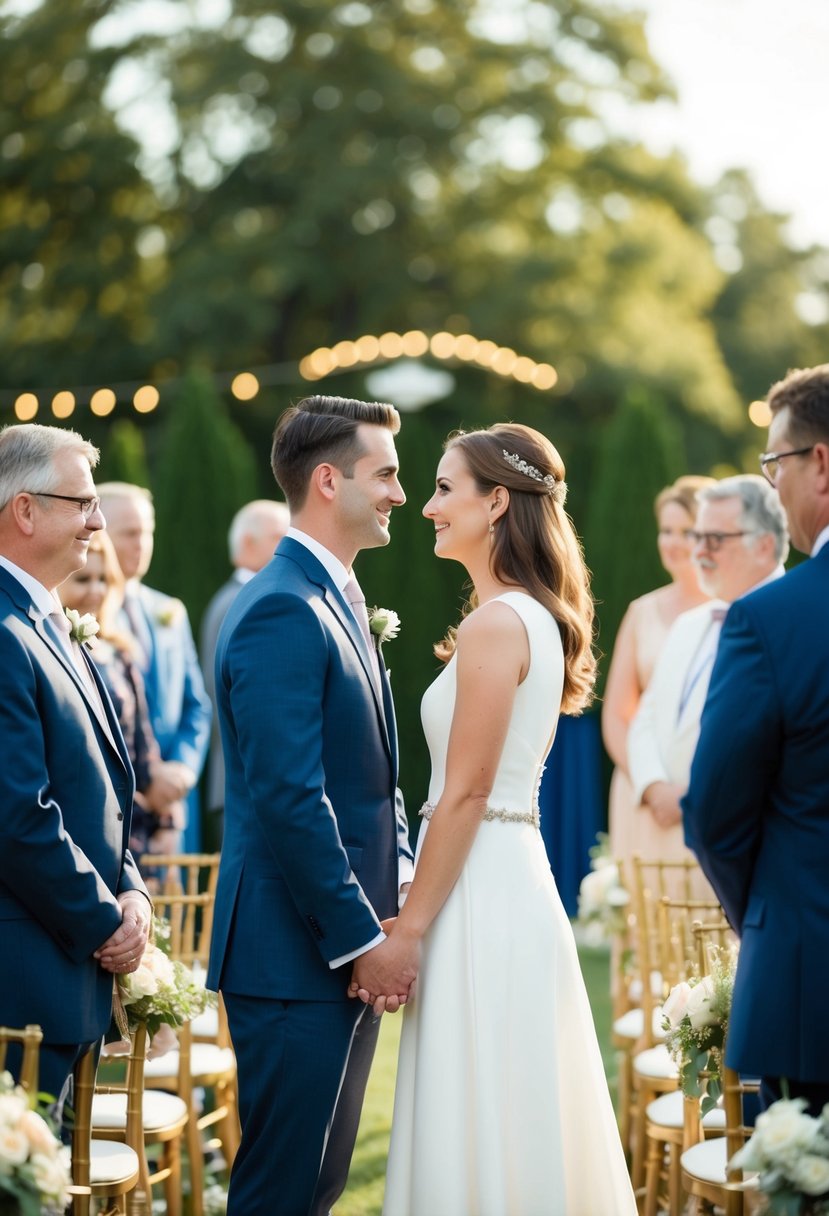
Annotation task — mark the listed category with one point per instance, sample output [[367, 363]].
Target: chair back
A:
[[29, 1039], [678, 948], [186, 899], [652, 882]]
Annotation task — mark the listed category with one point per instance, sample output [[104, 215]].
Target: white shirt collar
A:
[[45, 601], [242, 575], [333, 566], [821, 539]]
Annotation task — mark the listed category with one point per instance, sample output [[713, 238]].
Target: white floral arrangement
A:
[[384, 624], [214, 1200], [603, 898], [790, 1152], [162, 992], [34, 1165], [82, 628], [695, 1020]]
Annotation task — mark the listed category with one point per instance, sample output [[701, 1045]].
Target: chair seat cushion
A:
[[631, 1024], [206, 1060], [159, 1110], [655, 1062], [206, 1025], [111, 1162], [707, 1161], [668, 1110]]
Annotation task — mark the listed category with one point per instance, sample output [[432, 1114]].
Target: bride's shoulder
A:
[[492, 623]]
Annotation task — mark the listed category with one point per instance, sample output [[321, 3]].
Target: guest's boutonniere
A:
[[83, 628], [170, 613], [384, 624]]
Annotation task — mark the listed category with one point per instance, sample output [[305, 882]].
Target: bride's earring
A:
[[491, 527]]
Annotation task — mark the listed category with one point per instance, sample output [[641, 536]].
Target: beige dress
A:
[[632, 827]]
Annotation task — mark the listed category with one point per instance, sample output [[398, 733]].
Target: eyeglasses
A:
[[770, 461], [713, 541], [86, 506]]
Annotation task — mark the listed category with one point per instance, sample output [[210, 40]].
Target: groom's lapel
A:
[[317, 574]]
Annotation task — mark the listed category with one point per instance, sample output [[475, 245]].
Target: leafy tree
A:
[[124, 455]]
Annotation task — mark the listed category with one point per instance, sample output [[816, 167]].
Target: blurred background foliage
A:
[[235, 186]]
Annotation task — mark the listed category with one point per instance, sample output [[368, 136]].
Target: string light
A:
[[319, 363], [760, 414]]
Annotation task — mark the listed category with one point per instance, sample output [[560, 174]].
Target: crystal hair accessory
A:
[[529, 470]]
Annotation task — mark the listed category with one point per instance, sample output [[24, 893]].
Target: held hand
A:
[[171, 781], [121, 953], [662, 800], [383, 976]]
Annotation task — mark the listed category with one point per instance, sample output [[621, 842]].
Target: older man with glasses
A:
[[740, 542], [757, 811]]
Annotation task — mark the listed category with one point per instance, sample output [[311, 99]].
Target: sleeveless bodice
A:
[[534, 715]]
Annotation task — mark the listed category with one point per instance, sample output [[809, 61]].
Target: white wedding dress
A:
[[501, 1106]]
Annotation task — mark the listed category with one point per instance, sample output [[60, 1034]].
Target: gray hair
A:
[[27, 457], [762, 510], [112, 491], [252, 520]]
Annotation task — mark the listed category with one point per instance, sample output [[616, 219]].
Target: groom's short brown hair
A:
[[321, 430]]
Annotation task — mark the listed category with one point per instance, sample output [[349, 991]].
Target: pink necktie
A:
[[719, 614], [354, 596]]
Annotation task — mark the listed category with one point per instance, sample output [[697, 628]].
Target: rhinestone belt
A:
[[491, 812]]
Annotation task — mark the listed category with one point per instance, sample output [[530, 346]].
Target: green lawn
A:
[[364, 1194]]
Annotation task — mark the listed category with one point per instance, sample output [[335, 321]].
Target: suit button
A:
[[120, 814]]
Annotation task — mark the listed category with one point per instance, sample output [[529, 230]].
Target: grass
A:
[[364, 1193]]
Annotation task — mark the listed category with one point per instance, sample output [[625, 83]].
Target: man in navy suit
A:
[[757, 811], [180, 710], [316, 845], [73, 909]]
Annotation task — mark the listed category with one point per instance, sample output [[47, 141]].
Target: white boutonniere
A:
[[384, 624], [83, 628], [170, 613]]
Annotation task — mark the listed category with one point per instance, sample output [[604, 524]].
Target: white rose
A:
[[784, 1128], [49, 1174], [595, 887], [12, 1107], [158, 965], [618, 897], [14, 1146], [138, 984], [811, 1174], [676, 1005], [698, 1007], [38, 1132]]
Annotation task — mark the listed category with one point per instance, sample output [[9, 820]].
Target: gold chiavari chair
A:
[[665, 1115], [206, 1063], [29, 1039], [113, 1172], [704, 1162], [652, 1070]]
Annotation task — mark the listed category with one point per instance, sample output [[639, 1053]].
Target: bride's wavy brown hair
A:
[[534, 544]]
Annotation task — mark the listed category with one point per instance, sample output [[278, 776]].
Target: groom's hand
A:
[[383, 976]]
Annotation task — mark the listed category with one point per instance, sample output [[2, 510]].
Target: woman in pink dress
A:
[[638, 642]]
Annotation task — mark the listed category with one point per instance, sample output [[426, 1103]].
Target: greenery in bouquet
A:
[[34, 1165], [162, 991], [603, 898], [695, 1019], [790, 1152]]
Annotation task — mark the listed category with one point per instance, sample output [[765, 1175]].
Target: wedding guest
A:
[[98, 589], [255, 531], [641, 636], [73, 908], [740, 542], [316, 841], [180, 709], [757, 811]]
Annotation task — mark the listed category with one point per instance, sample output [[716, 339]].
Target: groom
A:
[[316, 844]]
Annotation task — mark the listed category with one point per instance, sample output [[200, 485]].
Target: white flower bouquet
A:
[[695, 1019], [603, 899], [34, 1165], [790, 1151], [162, 992]]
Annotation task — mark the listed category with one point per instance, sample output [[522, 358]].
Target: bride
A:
[[501, 1107]]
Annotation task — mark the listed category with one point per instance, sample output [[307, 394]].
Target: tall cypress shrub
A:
[[204, 473]]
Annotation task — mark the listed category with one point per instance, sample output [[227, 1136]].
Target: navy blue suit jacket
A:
[[757, 816], [66, 792], [313, 825]]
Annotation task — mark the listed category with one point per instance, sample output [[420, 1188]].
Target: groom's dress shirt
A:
[[821, 539], [340, 577]]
